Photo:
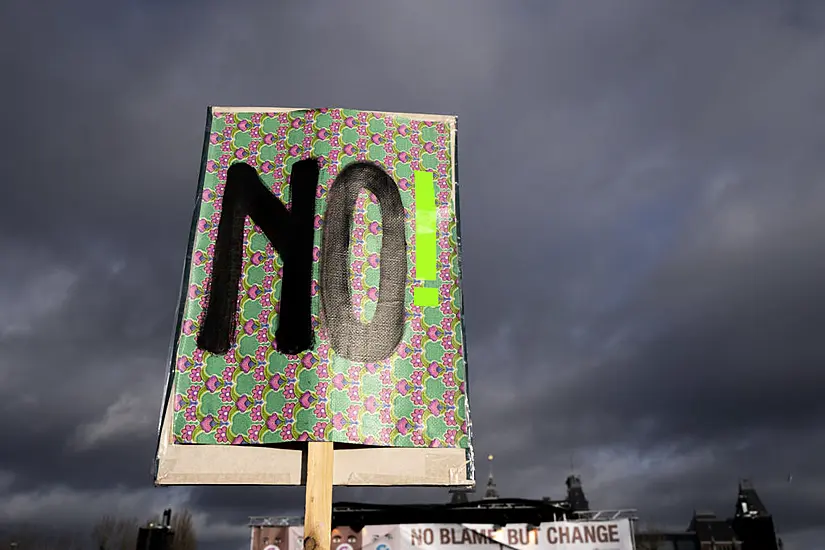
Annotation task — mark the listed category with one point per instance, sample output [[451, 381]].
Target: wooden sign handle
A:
[[318, 514]]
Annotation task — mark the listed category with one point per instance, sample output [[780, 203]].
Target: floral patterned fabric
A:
[[256, 395]]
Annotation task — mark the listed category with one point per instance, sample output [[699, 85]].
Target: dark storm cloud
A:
[[642, 201], [64, 369]]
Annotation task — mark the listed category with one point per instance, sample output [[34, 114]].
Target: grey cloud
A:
[[641, 187]]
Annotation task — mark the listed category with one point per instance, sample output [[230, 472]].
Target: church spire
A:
[[491, 492], [575, 494]]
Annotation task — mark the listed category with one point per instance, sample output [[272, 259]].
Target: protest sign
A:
[[321, 301], [558, 535]]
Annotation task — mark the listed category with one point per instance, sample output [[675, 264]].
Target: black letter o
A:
[[351, 338]]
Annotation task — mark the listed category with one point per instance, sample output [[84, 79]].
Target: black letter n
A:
[[291, 234]]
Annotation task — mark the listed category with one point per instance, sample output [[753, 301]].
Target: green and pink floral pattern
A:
[[256, 395]]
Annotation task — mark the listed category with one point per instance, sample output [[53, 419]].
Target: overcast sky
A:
[[643, 189]]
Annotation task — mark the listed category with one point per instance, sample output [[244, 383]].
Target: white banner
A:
[[559, 535]]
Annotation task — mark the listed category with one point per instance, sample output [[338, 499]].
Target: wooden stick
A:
[[318, 514]]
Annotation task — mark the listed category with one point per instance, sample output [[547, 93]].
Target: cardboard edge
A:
[[252, 465], [413, 116], [184, 284], [470, 454]]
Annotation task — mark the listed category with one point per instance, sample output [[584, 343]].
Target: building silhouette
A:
[[492, 492], [575, 494], [713, 532], [156, 536], [460, 496], [750, 528], [752, 522]]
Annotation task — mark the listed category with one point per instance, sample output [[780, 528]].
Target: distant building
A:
[[714, 533], [491, 492], [751, 528], [576, 500], [156, 536], [460, 496], [752, 522], [575, 494]]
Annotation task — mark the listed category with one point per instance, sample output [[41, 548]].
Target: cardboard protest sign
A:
[[321, 297]]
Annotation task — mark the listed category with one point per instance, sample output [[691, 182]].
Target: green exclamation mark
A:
[[426, 252]]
